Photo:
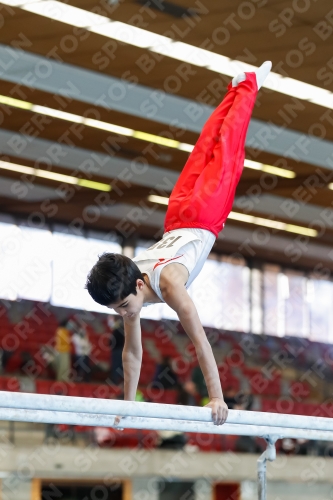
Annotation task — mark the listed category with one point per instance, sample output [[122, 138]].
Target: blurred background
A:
[[101, 103]]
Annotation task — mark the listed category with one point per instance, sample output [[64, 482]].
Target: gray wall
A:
[[294, 478]]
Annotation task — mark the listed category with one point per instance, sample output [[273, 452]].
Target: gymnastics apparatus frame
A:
[[43, 408]]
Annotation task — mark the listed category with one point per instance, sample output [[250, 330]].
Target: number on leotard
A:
[[167, 243], [163, 243], [173, 242], [153, 246]]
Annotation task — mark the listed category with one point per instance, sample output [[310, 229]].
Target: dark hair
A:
[[112, 278]]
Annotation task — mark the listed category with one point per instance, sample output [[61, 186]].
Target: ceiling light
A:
[[251, 219], [19, 3], [16, 103], [322, 98], [301, 230], [182, 52], [305, 91], [55, 113], [157, 139], [131, 35], [55, 177], [298, 89], [109, 127], [281, 226], [252, 164], [185, 147], [68, 179], [162, 200], [65, 13], [100, 186], [230, 67], [17, 168], [282, 172]]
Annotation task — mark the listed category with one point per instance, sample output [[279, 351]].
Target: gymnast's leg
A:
[[205, 190], [203, 149]]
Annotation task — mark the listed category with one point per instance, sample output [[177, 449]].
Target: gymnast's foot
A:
[[238, 79], [261, 74]]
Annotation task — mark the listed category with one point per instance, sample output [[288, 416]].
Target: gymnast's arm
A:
[[132, 356], [132, 359], [175, 295]]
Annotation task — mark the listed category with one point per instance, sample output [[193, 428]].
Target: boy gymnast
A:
[[198, 208]]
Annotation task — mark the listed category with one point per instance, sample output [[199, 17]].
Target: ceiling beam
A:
[[247, 185], [12, 188], [74, 159], [286, 209]]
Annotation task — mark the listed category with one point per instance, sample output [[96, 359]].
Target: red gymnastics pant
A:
[[205, 190]]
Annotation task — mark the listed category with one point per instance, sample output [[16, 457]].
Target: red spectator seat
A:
[[74, 390], [11, 384], [52, 387], [299, 390]]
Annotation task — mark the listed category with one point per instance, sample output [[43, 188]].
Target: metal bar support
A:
[[268, 454]]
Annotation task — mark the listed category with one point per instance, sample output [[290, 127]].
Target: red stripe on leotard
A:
[[163, 261]]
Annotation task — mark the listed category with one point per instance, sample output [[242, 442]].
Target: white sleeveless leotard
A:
[[187, 246]]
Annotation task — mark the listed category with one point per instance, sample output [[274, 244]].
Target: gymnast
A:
[[198, 208]]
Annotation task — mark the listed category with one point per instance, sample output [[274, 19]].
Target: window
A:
[[153, 311], [275, 290], [256, 301], [206, 293], [74, 256], [142, 246], [235, 281], [296, 305], [35, 264], [26, 256], [10, 249], [221, 293], [320, 297]]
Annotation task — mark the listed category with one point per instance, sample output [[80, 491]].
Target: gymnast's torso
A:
[[187, 246]]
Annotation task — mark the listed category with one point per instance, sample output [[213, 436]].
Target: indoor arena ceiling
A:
[[90, 99]]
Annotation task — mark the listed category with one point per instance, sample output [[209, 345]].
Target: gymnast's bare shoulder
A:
[[173, 275], [172, 286]]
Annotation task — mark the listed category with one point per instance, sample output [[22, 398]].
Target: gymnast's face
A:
[[131, 305]]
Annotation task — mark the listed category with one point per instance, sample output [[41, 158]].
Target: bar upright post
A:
[[268, 454]]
